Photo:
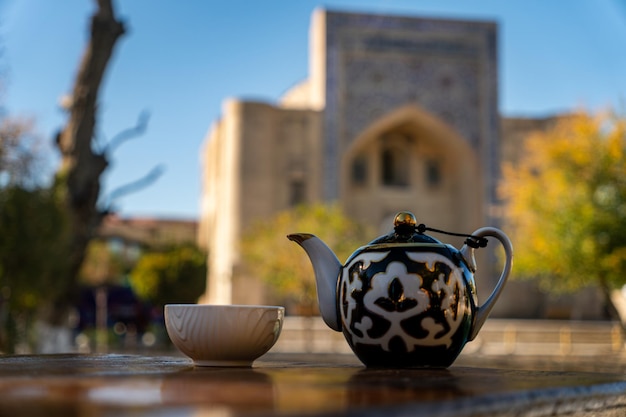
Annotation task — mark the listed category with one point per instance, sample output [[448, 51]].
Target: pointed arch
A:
[[443, 183]]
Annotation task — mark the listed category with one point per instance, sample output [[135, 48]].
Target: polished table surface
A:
[[304, 384]]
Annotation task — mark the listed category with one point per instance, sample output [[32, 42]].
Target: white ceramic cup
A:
[[223, 335]]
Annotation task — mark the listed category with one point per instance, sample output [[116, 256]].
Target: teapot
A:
[[405, 299]]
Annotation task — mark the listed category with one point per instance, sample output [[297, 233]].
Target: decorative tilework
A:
[[447, 88]]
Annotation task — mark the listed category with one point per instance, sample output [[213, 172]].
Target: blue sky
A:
[[181, 59]]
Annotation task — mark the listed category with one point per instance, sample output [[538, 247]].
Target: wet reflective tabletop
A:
[[284, 384]]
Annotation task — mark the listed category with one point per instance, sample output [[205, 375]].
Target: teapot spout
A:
[[327, 268]]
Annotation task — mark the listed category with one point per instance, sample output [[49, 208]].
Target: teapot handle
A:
[[482, 311]]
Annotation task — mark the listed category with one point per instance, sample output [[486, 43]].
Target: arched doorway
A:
[[411, 160]]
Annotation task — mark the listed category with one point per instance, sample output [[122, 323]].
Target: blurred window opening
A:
[[359, 171], [395, 167], [297, 192], [433, 173]]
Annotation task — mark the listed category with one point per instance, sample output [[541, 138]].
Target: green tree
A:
[[31, 260], [32, 229], [282, 265], [176, 275], [566, 204]]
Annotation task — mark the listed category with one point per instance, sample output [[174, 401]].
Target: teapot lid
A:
[[406, 230]]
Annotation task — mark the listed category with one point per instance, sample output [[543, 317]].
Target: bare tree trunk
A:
[[82, 166]]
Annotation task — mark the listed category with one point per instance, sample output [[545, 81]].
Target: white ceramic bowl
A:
[[223, 335]]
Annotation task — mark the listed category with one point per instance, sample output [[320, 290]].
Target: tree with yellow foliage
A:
[[282, 265], [565, 204]]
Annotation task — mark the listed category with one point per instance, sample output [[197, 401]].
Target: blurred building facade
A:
[[397, 113], [134, 233]]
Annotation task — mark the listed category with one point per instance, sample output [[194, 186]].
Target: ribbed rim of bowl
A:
[[239, 306]]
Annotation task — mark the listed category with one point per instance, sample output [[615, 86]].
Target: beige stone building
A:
[[397, 113]]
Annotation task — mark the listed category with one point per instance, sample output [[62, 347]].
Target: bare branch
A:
[[130, 133], [135, 186]]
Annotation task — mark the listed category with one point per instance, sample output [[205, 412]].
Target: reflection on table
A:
[[289, 384]]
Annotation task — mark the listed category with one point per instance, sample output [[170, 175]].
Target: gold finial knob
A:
[[404, 219]]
